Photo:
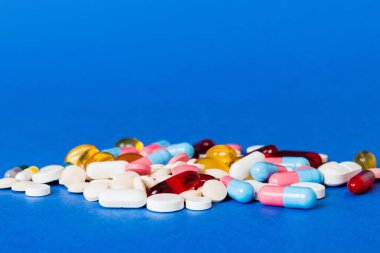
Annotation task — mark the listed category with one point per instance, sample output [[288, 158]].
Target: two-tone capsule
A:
[[176, 184], [361, 182], [289, 162], [261, 171], [155, 146], [297, 176], [238, 190]]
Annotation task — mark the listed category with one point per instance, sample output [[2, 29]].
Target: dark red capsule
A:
[[176, 184], [202, 146], [314, 159], [268, 150], [361, 182], [202, 179]]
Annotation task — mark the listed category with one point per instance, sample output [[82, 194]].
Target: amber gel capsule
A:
[[366, 159], [361, 182], [176, 184]]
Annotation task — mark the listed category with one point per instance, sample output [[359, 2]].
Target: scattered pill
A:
[[92, 191], [222, 153], [165, 202], [297, 176], [182, 168], [314, 159], [72, 174], [138, 184], [124, 181], [20, 186], [240, 169], [261, 171], [99, 170], [290, 162], [238, 190], [126, 142], [319, 189], [335, 174], [14, 171], [77, 187], [37, 190], [176, 184], [80, 154], [191, 193], [198, 203], [125, 198], [181, 157], [214, 190], [202, 146], [366, 159], [376, 171], [48, 174], [217, 173], [361, 182], [7, 182]]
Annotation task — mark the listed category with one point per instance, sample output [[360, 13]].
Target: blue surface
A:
[[299, 74]]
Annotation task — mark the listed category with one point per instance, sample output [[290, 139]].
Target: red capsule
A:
[[361, 182], [314, 158], [176, 184], [268, 150], [202, 180], [202, 146]]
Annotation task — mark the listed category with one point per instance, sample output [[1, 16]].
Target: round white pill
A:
[[20, 186], [191, 193], [92, 191], [108, 169], [319, 189], [124, 198], [214, 190], [7, 182], [72, 174], [217, 173], [198, 203], [77, 187], [37, 190], [25, 175], [165, 202], [48, 174]]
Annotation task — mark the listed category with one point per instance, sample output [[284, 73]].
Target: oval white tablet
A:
[[37, 190], [165, 202], [138, 184], [25, 175], [319, 189], [108, 169], [124, 181], [160, 173], [77, 187], [198, 203], [214, 190], [162, 178], [217, 173], [20, 186], [48, 174], [7, 182], [126, 198], [148, 181], [191, 193], [72, 174], [92, 191]]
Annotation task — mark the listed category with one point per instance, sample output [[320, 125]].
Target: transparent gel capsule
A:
[[125, 142], [222, 153], [366, 159], [211, 163], [79, 155], [129, 157], [14, 171], [99, 157], [202, 146], [176, 184]]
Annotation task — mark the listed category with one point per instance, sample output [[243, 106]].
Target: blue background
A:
[[298, 74]]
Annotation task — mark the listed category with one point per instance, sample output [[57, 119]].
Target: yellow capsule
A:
[[79, 154], [129, 157], [366, 159], [222, 153], [99, 157], [125, 142], [211, 163]]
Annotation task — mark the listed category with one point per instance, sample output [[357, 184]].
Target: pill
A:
[[128, 141], [335, 174], [198, 203], [256, 186], [261, 171], [238, 190], [129, 157], [314, 159], [108, 169], [154, 147], [7, 182], [182, 157], [324, 158], [191, 193], [124, 181], [161, 172], [222, 153], [14, 171], [77, 187], [366, 159], [290, 162], [148, 182], [202, 179], [99, 157], [376, 171], [361, 182], [92, 191], [214, 190], [176, 184], [319, 189], [26, 174], [155, 167], [162, 178], [123, 198], [19, 186], [267, 150], [158, 157], [183, 168], [37, 190], [179, 148], [287, 196], [297, 176], [138, 184], [211, 163], [72, 174], [48, 174], [115, 152], [217, 173], [202, 146], [241, 169], [165, 202], [80, 154]]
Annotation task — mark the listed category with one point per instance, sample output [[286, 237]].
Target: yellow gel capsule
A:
[[125, 142], [99, 157], [366, 159], [80, 154], [222, 153], [129, 157], [211, 163]]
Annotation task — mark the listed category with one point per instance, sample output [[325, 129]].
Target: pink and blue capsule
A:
[[238, 190], [119, 151], [154, 147], [159, 157], [179, 148], [287, 196], [297, 176], [290, 162], [261, 171]]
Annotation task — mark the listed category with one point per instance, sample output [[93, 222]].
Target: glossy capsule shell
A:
[[202, 179], [202, 146], [314, 159], [366, 159], [11, 173], [222, 153], [287, 196], [261, 171], [120, 151], [179, 148], [267, 150], [176, 184], [80, 154], [154, 147], [211, 163], [129, 142], [238, 190], [99, 157], [289, 162], [298, 176], [159, 157], [361, 182]]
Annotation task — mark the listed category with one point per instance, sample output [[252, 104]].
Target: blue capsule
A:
[[261, 171], [184, 147], [238, 190]]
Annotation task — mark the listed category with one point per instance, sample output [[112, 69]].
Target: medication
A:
[[256, 186], [125, 198], [335, 174], [222, 153], [376, 171], [6, 182], [211, 163], [37, 190], [241, 169], [14, 171], [319, 189], [238, 190], [115, 152], [92, 191], [99, 170], [142, 169], [138, 184], [80, 154], [287, 196], [77, 187], [158, 157], [48, 174], [176, 184], [290, 162], [99, 157], [268, 150], [361, 182], [154, 147], [160, 172], [129, 157], [184, 147], [129, 142], [217, 173], [365, 159], [26, 174], [20, 186], [202, 180], [198, 203], [72, 174], [297, 176], [314, 159], [124, 181], [148, 182], [183, 168], [202, 146], [190, 193], [261, 171], [214, 190], [165, 202], [182, 157]]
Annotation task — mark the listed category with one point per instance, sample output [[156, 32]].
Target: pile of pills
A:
[[168, 177]]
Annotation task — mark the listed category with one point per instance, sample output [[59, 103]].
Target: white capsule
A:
[[77, 187], [240, 169], [26, 175], [72, 174], [108, 169], [198, 203], [48, 174], [37, 190], [217, 173], [126, 198], [253, 148], [165, 202], [92, 191], [124, 181], [20, 186], [7, 182], [214, 190]]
